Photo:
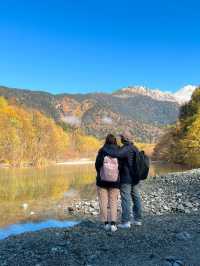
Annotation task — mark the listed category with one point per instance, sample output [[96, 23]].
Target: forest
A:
[[181, 143], [28, 136]]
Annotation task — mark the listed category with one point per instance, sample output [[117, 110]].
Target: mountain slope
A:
[[42, 101], [97, 114]]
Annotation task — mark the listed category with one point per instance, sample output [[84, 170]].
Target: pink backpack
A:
[[109, 171]]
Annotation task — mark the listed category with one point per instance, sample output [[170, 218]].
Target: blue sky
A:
[[81, 46]]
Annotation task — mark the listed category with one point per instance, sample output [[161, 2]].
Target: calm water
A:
[[16, 229], [30, 195]]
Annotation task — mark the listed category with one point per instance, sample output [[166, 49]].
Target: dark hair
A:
[[111, 139]]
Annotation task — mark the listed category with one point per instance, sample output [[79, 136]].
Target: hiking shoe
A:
[[113, 228], [107, 227], [137, 222], [125, 225]]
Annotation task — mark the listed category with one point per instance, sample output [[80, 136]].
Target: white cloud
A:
[[107, 120], [72, 120]]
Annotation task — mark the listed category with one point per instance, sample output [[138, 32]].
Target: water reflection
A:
[[37, 194], [17, 229], [159, 168]]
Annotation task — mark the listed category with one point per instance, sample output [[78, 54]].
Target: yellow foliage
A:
[[190, 145], [181, 144], [87, 145], [29, 136], [3, 103], [147, 147]]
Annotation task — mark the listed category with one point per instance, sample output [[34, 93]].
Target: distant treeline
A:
[[28, 136], [181, 143]]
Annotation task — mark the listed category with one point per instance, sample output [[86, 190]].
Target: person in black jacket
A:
[[128, 182], [108, 191]]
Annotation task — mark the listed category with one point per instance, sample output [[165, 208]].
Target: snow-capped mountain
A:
[[141, 90], [181, 96], [184, 94]]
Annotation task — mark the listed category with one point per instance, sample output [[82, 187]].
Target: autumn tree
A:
[[182, 143], [27, 135]]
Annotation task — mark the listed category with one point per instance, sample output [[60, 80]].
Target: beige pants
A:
[[108, 198]]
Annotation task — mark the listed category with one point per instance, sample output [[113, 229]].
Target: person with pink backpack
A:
[[108, 183]]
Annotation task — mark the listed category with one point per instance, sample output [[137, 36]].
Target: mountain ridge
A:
[[153, 93], [100, 113], [180, 96]]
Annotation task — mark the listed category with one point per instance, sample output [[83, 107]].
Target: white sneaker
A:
[[107, 227], [125, 225], [135, 222], [113, 228]]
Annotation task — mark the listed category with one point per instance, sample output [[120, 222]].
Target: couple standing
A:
[[115, 174]]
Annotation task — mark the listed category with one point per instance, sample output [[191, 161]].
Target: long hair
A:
[[111, 140]]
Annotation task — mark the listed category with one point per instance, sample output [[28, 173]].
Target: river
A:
[[29, 194]]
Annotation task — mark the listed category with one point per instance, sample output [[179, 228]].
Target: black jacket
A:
[[127, 155], [99, 163]]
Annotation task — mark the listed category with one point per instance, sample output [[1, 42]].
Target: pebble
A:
[[57, 250], [180, 208], [167, 263], [187, 211], [173, 261], [178, 263], [70, 209], [165, 208], [183, 236], [188, 204], [170, 259]]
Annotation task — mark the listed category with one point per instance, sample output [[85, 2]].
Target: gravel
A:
[[172, 193]]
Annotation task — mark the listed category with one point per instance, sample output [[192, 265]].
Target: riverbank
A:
[[76, 162], [172, 193], [81, 161], [170, 234]]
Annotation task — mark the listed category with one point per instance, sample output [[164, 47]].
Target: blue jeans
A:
[[131, 203]]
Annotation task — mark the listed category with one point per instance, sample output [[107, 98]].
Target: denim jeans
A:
[[131, 203]]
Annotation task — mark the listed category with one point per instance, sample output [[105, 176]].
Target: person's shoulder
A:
[[134, 148], [131, 146], [100, 151], [125, 148], [116, 147], [109, 147]]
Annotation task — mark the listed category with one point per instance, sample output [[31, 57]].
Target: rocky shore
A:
[[172, 193], [169, 236]]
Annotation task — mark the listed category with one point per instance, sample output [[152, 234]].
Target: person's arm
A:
[[99, 161], [120, 153]]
